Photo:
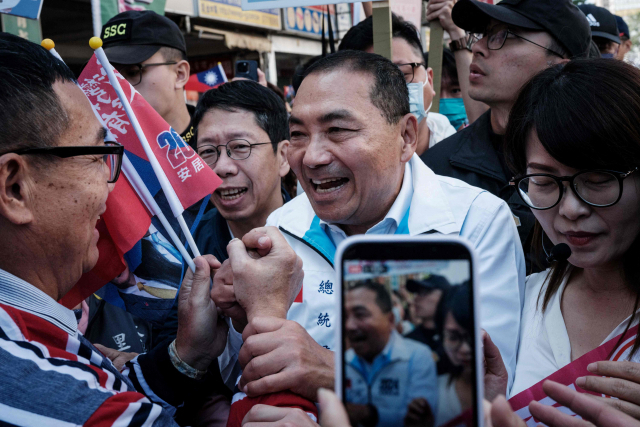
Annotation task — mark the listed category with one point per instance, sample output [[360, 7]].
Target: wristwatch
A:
[[461, 43]]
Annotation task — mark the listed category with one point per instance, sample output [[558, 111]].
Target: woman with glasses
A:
[[573, 141], [455, 387]]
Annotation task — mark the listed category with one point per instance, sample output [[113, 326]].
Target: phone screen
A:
[[408, 338]]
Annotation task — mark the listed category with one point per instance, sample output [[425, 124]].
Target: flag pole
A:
[[169, 192], [137, 183]]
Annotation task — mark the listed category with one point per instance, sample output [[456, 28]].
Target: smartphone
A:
[[247, 69], [410, 351]]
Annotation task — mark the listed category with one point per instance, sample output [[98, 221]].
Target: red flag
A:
[[188, 174], [123, 224], [127, 219]]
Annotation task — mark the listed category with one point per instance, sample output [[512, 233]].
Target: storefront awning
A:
[[236, 40]]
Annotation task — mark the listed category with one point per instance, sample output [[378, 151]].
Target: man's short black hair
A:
[[172, 54], [360, 37], [389, 92], [268, 109], [31, 113], [383, 298]]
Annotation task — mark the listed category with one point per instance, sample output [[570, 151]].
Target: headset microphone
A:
[[560, 252]]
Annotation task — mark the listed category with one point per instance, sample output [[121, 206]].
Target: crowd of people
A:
[[538, 145]]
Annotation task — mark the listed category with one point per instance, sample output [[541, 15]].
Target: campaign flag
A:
[[206, 80], [616, 349], [127, 221]]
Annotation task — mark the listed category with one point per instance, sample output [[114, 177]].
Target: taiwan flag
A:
[[133, 244], [210, 79]]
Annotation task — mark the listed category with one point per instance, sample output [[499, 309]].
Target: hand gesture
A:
[[618, 379], [419, 414], [267, 273], [441, 10], [496, 377], [280, 355], [201, 338]]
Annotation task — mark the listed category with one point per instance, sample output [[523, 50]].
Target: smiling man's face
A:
[[348, 158]]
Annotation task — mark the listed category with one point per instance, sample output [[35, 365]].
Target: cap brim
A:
[[613, 38], [474, 16], [131, 54]]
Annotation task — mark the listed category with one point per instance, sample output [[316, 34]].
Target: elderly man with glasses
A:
[[56, 173], [510, 42]]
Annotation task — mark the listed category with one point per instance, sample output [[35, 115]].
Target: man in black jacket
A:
[[519, 38]]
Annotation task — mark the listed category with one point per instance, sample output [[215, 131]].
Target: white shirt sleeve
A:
[[501, 273]]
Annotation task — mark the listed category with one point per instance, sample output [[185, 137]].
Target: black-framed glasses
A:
[[598, 188], [237, 149], [111, 155], [133, 72], [409, 70], [498, 34]]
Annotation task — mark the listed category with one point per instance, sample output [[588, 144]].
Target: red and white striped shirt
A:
[[52, 376]]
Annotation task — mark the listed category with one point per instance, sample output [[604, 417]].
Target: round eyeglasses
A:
[[133, 72], [598, 188], [237, 149]]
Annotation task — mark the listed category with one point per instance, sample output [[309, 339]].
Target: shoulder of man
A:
[[438, 157], [297, 211]]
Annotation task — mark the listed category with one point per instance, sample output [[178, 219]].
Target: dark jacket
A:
[[474, 156]]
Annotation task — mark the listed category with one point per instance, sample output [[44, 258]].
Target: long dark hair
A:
[[586, 114]]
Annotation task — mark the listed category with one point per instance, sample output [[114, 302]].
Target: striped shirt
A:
[[53, 376]]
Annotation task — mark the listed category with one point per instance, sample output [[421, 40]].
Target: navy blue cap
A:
[[603, 23], [623, 28]]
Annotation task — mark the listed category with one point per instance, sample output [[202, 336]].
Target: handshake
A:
[[261, 278]]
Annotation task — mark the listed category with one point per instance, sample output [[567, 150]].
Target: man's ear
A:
[[182, 71], [430, 76], [409, 134], [16, 196], [281, 155]]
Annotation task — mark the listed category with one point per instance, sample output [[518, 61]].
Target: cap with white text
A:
[[133, 36]]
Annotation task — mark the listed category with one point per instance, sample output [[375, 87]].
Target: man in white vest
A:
[[353, 142]]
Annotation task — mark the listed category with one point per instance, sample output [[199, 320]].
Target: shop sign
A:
[[28, 29], [231, 11], [110, 8], [308, 20]]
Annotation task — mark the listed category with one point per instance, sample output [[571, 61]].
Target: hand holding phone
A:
[[247, 70]]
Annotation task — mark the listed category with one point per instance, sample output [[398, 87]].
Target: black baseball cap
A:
[[603, 23], [560, 18], [623, 28], [133, 36], [431, 283]]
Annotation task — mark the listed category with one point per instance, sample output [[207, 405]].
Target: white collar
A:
[[17, 293]]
